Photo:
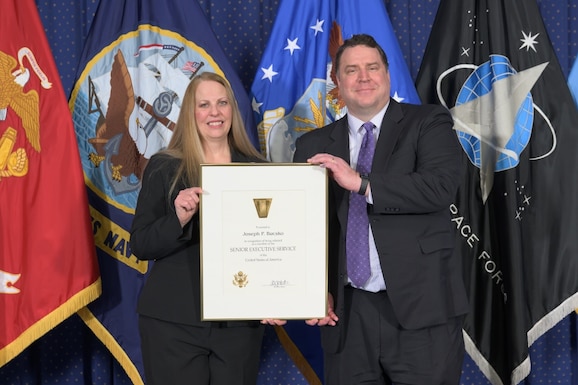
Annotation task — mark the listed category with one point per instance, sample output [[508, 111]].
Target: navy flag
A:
[[492, 64], [138, 60]]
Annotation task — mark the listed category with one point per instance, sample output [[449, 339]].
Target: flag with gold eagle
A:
[[48, 266]]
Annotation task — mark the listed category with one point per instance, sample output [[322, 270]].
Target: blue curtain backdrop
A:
[[70, 353]]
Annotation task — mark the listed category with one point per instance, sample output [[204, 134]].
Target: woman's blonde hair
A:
[[185, 144]]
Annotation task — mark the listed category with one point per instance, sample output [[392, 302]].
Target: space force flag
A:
[[294, 89], [492, 64], [139, 57], [48, 266]]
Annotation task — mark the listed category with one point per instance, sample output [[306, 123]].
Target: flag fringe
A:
[[78, 301], [539, 329], [484, 366], [297, 357], [551, 319], [112, 345]]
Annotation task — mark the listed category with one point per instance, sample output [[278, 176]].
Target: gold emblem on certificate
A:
[[262, 205], [240, 279]]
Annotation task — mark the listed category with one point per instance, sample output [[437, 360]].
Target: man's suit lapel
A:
[[339, 145], [340, 148], [388, 135]]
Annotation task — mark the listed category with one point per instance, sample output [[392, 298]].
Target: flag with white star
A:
[[491, 63], [294, 90]]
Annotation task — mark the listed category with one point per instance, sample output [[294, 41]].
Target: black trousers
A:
[[177, 354], [379, 351]]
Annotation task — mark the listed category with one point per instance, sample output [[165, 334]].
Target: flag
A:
[[294, 92], [48, 266], [294, 89], [573, 81], [137, 62], [492, 64]]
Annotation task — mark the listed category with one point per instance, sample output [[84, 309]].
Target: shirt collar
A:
[[355, 123]]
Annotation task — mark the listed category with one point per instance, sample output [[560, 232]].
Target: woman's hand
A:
[[274, 322], [187, 204]]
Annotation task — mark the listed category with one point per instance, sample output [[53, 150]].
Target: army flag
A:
[[491, 63], [48, 266], [139, 57]]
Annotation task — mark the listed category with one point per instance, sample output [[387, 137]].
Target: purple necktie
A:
[[357, 242]]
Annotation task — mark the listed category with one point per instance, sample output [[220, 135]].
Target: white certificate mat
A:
[[263, 241]]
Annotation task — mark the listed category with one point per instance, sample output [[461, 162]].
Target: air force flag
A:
[[294, 89], [294, 92]]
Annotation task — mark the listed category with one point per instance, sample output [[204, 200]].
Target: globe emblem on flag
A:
[[479, 83]]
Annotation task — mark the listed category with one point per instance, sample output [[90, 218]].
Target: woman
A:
[[177, 347]]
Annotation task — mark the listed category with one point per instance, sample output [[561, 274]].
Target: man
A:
[[403, 323]]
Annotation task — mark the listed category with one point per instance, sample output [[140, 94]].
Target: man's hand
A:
[[330, 319], [340, 170]]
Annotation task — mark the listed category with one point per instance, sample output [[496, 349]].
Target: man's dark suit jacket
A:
[[416, 171], [172, 290]]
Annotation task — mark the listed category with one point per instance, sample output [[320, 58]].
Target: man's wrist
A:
[[364, 184]]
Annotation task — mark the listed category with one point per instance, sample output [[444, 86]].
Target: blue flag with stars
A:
[[294, 89], [294, 92], [573, 81]]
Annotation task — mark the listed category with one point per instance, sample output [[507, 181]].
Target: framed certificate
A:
[[263, 241]]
